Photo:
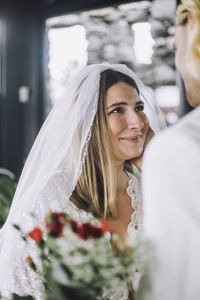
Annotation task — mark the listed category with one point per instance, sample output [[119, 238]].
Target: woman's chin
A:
[[134, 155], [129, 155], [137, 153]]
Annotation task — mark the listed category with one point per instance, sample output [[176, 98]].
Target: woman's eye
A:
[[116, 110], [139, 108]]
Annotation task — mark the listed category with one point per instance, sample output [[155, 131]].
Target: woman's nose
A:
[[135, 121]]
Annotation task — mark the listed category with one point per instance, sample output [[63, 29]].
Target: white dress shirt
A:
[[171, 193]]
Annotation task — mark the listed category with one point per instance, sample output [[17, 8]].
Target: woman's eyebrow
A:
[[117, 104], [124, 103], [139, 102]]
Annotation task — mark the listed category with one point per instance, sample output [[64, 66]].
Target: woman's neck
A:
[[122, 177]]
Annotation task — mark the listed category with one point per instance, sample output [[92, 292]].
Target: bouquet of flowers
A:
[[79, 261]]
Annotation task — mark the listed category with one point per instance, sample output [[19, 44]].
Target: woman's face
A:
[[127, 122]]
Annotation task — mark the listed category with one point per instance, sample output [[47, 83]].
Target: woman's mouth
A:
[[131, 138]]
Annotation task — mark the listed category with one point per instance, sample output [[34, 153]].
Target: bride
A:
[[82, 162]]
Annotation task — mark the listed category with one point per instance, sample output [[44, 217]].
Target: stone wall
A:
[[115, 39], [163, 30], [111, 38]]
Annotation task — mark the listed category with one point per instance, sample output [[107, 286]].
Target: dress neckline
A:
[[134, 192]]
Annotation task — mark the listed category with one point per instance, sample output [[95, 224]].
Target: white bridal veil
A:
[[53, 167]]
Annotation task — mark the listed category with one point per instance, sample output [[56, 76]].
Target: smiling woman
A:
[[81, 163], [118, 135]]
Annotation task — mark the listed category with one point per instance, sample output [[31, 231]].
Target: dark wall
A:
[[21, 57]]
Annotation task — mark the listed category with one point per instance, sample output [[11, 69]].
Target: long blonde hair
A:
[[193, 7], [95, 190]]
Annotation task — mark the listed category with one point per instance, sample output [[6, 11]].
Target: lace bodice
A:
[[134, 191], [135, 225], [18, 277]]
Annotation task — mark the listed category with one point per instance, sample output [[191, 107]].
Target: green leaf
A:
[[16, 297], [17, 227], [75, 290], [7, 190]]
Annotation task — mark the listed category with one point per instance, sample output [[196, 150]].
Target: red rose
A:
[[86, 231], [55, 223], [36, 234], [96, 232]]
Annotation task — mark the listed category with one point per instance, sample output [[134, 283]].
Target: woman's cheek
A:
[[146, 123], [114, 126]]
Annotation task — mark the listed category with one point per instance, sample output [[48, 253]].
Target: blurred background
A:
[[43, 43]]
